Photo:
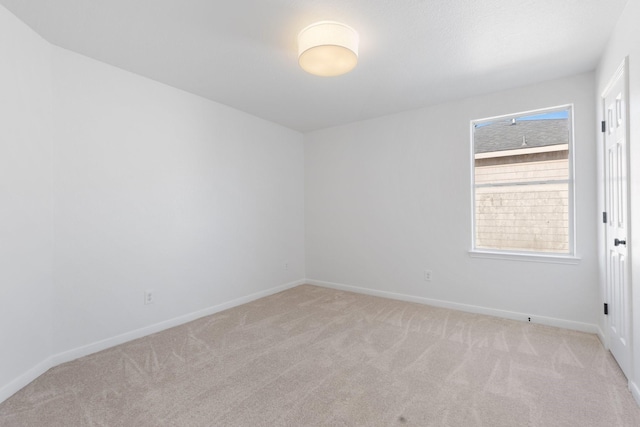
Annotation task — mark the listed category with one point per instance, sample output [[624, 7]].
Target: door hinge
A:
[[604, 217], [606, 309], [604, 126]]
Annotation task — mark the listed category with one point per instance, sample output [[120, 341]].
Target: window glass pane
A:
[[522, 178]]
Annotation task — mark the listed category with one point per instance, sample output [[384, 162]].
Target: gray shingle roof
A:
[[503, 135]]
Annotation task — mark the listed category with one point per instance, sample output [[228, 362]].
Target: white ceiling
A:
[[413, 53]]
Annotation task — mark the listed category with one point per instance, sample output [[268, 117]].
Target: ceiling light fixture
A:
[[328, 48]]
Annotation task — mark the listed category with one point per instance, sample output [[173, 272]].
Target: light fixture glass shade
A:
[[328, 48]]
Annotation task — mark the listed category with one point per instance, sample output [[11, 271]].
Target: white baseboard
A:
[[542, 320], [602, 337], [67, 356], [635, 391], [176, 321], [22, 380]]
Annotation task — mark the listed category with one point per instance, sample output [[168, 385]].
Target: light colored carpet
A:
[[311, 356]]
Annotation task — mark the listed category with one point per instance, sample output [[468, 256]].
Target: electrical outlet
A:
[[149, 296], [427, 275]]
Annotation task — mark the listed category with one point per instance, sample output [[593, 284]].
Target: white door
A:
[[617, 243]]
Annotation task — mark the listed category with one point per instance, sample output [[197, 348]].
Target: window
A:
[[523, 183]]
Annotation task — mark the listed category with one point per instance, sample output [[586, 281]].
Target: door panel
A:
[[616, 193]]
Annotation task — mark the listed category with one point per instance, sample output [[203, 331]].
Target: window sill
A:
[[516, 256]]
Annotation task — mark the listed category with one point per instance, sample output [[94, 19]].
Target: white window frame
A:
[[535, 256]]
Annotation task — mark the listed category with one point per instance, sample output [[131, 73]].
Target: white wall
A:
[[159, 189], [388, 198], [25, 202], [113, 184], [625, 41]]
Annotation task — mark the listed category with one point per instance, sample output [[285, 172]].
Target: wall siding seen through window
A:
[[521, 180]]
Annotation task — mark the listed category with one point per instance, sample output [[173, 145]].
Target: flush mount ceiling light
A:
[[328, 48]]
